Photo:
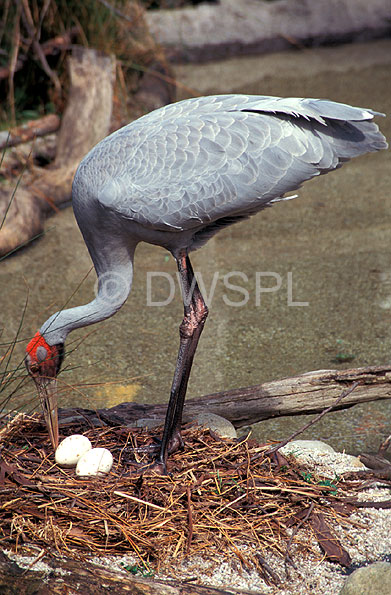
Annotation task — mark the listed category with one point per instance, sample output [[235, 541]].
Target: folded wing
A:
[[201, 160]]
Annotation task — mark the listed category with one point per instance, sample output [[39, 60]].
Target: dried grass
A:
[[219, 496]]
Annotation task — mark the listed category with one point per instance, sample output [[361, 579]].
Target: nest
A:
[[220, 495]]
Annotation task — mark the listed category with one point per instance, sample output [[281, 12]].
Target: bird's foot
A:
[[148, 469], [175, 443], [150, 448], [155, 468], [158, 465]]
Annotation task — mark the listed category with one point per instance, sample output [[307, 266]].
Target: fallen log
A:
[[305, 394], [237, 27], [90, 101], [90, 114], [27, 132], [70, 576]]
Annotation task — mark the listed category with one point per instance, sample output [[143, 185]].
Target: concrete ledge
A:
[[239, 27]]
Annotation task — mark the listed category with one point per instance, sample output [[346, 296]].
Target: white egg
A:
[[97, 461], [70, 450]]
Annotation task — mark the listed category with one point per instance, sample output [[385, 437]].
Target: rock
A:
[[295, 446], [148, 422], [322, 458], [216, 423], [355, 462], [238, 27], [375, 578]]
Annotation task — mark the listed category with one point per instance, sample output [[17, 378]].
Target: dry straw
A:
[[220, 495]]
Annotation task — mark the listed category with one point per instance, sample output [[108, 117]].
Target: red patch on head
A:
[[39, 341], [43, 360]]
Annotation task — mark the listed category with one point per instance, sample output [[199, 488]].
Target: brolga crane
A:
[[174, 178]]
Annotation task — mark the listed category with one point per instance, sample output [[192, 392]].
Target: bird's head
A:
[[43, 362]]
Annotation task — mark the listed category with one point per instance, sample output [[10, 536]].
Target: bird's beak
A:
[[47, 391]]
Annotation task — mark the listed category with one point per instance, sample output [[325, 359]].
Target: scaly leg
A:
[[195, 313]]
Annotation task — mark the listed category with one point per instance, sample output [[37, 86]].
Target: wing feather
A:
[[203, 159]]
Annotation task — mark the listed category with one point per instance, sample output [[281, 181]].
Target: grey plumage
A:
[[174, 178], [190, 164]]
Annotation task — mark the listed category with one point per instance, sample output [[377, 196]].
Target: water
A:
[[330, 247]]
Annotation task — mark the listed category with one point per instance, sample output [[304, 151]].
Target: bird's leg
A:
[[195, 313]]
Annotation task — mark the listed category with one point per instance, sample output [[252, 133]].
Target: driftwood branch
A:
[[314, 420], [305, 394], [66, 576], [29, 131], [85, 122], [309, 393], [88, 115]]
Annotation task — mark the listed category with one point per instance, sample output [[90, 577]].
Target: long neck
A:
[[113, 287]]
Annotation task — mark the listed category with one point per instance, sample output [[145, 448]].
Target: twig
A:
[[384, 446], [60, 42], [269, 574], [30, 27], [13, 62], [116, 11], [129, 497], [4, 19], [288, 559], [37, 559], [169, 517], [344, 394], [190, 520]]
